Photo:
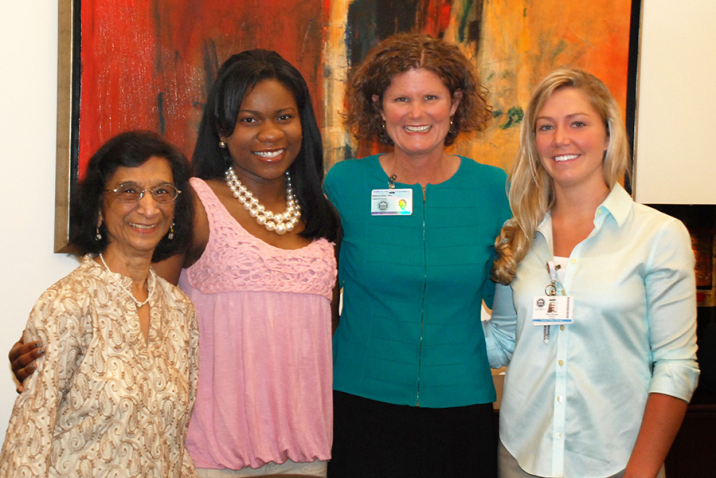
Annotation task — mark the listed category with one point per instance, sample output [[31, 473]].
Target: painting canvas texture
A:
[[149, 63]]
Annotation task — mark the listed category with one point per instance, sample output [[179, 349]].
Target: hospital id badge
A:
[[553, 310], [391, 202]]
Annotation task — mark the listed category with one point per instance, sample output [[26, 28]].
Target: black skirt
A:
[[376, 439]]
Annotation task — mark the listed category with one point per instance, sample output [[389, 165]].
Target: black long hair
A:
[[236, 77], [130, 150]]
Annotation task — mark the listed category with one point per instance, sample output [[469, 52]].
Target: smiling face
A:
[[267, 137], [417, 107], [135, 229], [571, 139]]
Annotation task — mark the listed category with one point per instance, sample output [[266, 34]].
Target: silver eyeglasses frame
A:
[[152, 191]]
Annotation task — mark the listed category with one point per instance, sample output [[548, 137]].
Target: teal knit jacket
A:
[[410, 331]]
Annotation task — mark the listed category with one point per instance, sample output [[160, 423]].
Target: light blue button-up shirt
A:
[[573, 407]]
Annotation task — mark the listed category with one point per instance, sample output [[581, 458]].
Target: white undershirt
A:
[[561, 264]]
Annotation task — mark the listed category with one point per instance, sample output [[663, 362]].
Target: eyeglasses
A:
[[130, 192]]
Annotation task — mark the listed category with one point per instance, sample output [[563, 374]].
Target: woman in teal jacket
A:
[[413, 390]]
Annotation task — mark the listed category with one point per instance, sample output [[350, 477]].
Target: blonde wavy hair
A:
[[530, 191]]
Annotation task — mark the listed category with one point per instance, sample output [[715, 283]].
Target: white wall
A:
[[676, 133], [28, 83]]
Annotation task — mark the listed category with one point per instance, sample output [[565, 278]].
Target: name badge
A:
[[391, 202], [553, 310]]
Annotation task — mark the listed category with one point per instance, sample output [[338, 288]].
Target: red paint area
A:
[[148, 64], [438, 18]]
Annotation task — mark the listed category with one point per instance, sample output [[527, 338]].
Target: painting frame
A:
[[68, 108], [67, 120]]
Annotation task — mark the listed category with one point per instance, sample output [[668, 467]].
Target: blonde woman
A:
[[596, 314]]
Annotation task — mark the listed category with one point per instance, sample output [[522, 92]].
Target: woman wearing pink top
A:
[[262, 281], [261, 272]]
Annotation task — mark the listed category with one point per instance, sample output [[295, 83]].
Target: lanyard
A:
[[391, 181], [550, 291]]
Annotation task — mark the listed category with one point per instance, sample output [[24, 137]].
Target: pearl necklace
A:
[[278, 223], [129, 293]]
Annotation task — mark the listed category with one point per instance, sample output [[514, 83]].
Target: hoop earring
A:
[[452, 126], [98, 235], [170, 236], [222, 145]]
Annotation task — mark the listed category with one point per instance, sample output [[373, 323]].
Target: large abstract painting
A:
[[131, 64]]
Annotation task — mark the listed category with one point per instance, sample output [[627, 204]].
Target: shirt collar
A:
[[618, 203]]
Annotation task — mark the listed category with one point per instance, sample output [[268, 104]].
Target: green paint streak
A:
[[497, 113], [561, 46], [462, 29], [524, 12], [514, 117]]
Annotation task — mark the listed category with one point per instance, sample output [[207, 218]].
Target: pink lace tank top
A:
[[265, 375]]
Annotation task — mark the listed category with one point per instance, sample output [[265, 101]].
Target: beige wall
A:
[[28, 55], [676, 131]]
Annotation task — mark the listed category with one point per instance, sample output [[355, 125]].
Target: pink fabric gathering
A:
[[265, 375]]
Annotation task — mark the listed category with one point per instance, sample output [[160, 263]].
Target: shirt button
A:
[[574, 261], [561, 327], [559, 399], [561, 362], [559, 435], [599, 212]]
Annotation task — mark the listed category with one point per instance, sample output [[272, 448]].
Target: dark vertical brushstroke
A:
[[211, 65], [360, 31], [630, 119], [421, 15], [474, 28], [396, 16], [370, 21], [160, 113], [156, 15], [158, 34]]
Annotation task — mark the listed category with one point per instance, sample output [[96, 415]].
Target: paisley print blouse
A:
[[104, 402]]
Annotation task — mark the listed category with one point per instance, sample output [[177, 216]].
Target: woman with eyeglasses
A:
[[114, 391], [261, 270]]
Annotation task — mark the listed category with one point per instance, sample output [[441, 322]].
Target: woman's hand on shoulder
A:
[[170, 269], [22, 360], [335, 302], [200, 234]]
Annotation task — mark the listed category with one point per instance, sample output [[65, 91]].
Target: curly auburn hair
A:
[[402, 52]]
